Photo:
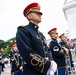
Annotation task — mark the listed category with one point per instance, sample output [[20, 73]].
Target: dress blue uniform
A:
[[58, 56], [58, 53], [16, 62], [69, 60], [31, 43], [2, 56], [33, 49]]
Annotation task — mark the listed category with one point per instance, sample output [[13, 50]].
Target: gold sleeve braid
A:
[[38, 60]]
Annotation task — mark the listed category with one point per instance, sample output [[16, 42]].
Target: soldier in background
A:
[[57, 52], [3, 62], [69, 62], [2, 56], [15, 60]]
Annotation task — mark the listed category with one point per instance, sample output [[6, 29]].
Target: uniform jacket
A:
[[33, 49], [15, 60], [58, 53], [63, 44], [2, 56]]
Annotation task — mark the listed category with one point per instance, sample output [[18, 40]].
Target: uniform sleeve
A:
[[34, 60], [12, 59]]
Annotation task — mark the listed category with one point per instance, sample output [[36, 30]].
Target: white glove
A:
[[50, 72], [54, 66], [67, 51], [21, 67]]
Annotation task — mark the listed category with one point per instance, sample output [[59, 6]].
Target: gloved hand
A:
[[50, 72], [54, 66]]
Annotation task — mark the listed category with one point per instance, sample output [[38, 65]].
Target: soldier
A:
[[69, 62], [57, 52], [15, 60], [2, 56], [32, 44]]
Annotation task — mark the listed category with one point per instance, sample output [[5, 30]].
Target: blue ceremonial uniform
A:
[[69, 60], [2, 56], [63, 44], [16, 61], [33, 49], [58, 55]]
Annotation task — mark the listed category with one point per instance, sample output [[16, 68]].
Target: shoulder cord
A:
[[41, 43]]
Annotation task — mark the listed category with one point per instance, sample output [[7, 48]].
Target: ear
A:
[[29, 16]]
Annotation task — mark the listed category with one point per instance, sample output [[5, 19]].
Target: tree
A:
[[6, 45]]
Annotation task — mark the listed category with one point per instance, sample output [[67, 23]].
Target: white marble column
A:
[[69, 10]]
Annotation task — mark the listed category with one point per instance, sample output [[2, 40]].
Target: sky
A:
[[11, 16]]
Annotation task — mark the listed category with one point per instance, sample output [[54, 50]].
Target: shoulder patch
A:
[[21, 26], [55, 48]]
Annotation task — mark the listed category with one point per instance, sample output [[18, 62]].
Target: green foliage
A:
[[2, 43], [6, 45], [6, 50]]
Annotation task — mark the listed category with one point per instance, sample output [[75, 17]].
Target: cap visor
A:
[[37, 11]]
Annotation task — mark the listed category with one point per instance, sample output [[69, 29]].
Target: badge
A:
[[56, 48]]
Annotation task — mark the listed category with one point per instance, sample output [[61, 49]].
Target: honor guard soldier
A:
[[57, 52], [69, 62], [15, 60], [32, 46], [3, 60], [2, 56]]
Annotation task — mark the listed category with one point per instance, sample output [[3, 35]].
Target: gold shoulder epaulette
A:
[[21, 26]]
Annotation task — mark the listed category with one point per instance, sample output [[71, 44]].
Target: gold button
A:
[[35, 26]]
